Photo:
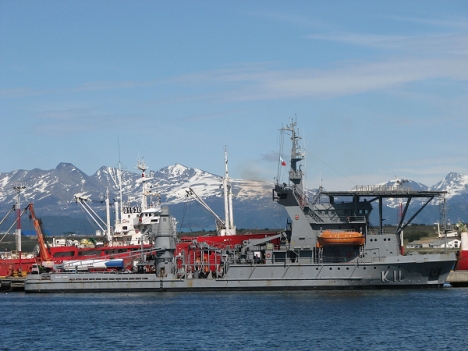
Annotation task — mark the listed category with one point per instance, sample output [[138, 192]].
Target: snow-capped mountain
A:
[[52, 192], [454, 183], [456, 186], [404, 183], [401, 184], [173, 181]]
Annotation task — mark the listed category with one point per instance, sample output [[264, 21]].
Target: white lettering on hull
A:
[[396, 276]]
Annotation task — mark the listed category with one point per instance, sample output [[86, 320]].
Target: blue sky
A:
[[379, 88]]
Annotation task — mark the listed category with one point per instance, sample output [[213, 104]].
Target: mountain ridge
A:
[[52, 192]]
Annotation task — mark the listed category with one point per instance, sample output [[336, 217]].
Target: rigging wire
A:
[[331, 167], [88, 219], [16, 220], [183, 216]]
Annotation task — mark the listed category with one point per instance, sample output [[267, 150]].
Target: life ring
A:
[[268, 255]]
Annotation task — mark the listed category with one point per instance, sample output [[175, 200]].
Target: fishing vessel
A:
[[124, 246], [328, 243], [123, 242]]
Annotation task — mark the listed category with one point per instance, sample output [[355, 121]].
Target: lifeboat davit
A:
[[328, 238]]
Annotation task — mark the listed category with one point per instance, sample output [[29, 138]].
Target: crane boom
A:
[[81, 200], [43, 252], [220, 224]]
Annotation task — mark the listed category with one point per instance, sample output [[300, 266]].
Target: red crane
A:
[[44, 254]]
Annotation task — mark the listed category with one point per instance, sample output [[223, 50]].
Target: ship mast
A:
[[119, 204], [141, 165], [108, 225], [18, 188], [226, 226], [228, 212], [295, 173]]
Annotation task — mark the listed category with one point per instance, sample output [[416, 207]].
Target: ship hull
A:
[[430, 272]]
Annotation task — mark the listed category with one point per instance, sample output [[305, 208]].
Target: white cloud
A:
[[347, 78], [434, 45]]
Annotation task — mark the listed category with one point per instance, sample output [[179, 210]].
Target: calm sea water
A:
[[308, 320]]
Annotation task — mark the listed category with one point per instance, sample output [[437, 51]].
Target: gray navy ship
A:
[[328, 243]]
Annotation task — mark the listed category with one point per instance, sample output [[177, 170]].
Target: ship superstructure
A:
[[131, 215], [128, 214]]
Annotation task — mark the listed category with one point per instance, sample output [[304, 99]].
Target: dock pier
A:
[[12, 283], [458, 278]]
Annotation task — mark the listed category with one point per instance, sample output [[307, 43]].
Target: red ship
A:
[[462, 261]]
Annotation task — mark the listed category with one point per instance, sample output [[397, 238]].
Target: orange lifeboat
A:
[[329, 238]]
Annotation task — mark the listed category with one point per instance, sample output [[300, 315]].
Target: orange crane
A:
[[44, 254]]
